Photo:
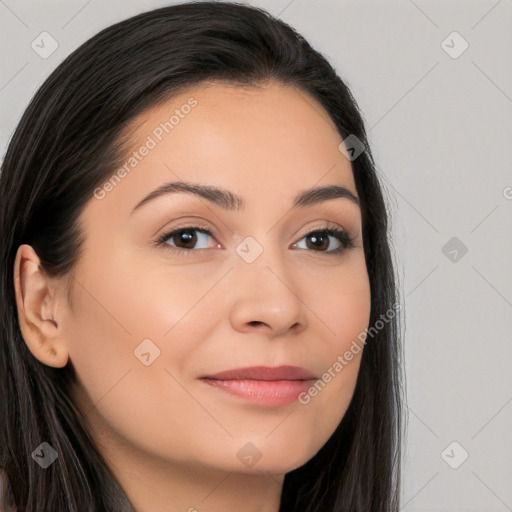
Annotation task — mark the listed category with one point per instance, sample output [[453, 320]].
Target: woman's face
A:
[[147, 322]]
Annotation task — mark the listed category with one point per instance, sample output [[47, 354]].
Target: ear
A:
[[41, 304]]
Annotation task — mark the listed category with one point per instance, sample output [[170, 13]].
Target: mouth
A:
[[263, 385]]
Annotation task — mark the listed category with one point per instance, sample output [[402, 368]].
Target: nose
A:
[[265, 297]]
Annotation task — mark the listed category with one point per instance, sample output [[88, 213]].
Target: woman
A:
[[199, 295]]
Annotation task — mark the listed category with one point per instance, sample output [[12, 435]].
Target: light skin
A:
[[170, 439]]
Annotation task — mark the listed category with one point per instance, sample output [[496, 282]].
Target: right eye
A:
[[185, 236]]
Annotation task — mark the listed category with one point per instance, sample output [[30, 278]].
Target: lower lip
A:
[[264, 392]]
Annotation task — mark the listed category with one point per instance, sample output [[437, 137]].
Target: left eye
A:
[[319, 238]]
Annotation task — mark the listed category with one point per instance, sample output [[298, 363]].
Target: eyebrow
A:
[[230, 201]]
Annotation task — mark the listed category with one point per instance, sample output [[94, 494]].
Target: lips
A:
[[262, 385], [266, 373]]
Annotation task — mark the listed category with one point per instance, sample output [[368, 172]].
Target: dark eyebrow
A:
[[230, 201]]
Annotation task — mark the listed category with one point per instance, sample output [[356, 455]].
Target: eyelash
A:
[[346, 240]]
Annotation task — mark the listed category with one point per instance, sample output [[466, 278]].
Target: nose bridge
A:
[[263, 257], [266, 291]]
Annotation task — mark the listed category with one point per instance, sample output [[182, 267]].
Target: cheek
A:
[[344, 305], [128, 313], [346, 301], [170, 309], [116, 311], [131, 300], [101, 335]]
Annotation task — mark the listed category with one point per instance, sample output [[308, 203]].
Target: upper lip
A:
[[285, 372]]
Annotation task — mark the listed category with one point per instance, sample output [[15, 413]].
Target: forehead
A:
[[268, 128], [268, 141]]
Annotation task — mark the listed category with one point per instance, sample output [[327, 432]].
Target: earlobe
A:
[[37, 299]]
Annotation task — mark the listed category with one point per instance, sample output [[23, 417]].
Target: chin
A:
[[278, 464]]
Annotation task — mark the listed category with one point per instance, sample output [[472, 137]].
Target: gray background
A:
[[441, 133]]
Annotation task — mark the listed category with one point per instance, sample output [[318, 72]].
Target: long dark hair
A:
[[68, 142]]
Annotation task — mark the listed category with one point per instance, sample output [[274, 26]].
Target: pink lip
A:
[[262, 384]]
